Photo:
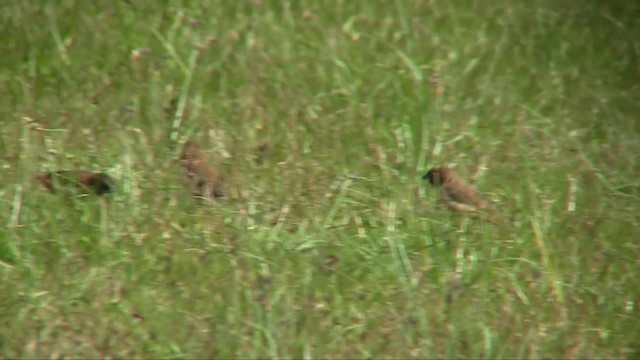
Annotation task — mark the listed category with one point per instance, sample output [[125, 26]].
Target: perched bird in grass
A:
[[81, 181], [460, 196], [201, 178], [455, 192]]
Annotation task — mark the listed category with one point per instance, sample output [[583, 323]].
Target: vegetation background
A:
[[322, 115]]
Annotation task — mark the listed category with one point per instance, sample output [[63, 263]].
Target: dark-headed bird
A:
[[81, 181], [460, 196], [454, 191]]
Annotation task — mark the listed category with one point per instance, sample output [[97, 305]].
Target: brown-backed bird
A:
[[82, 181], [200, 177], [455, 192]]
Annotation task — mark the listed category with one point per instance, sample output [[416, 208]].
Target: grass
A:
[[322, 115]]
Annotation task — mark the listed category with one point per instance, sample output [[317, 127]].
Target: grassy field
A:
[[323, 116]]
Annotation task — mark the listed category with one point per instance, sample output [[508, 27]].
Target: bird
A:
[[83, 181], [455, 192], [200, 177]]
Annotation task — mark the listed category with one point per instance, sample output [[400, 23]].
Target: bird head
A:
[[101, 183], [191, 151], [436, 175]]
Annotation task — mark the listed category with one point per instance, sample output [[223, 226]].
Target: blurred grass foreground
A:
[[322, 117]]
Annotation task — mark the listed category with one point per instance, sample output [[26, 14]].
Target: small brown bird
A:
[[84, 181], [200, 177], [455, 192]]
